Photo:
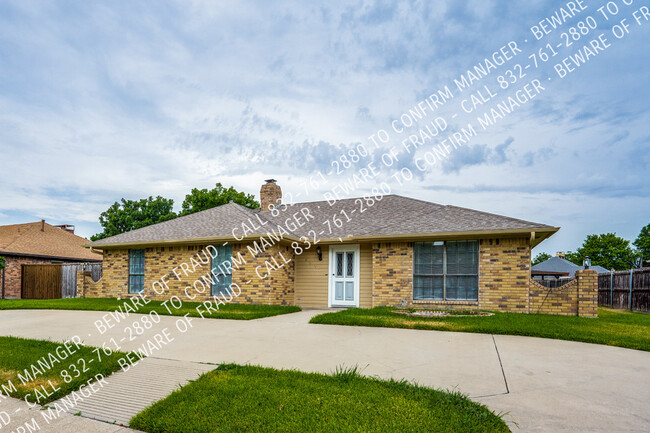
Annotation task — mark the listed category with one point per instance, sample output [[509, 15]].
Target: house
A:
[[360, 252], [558, 266], [38, 243]]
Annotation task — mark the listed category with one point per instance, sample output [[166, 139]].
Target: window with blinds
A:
[[222, 270], [136, 271], [445, 271]]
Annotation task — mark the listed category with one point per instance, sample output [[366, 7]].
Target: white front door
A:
[[344, 276]]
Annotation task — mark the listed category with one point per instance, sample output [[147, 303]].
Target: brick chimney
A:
[[270, 194], [560, 254], [66, 227]]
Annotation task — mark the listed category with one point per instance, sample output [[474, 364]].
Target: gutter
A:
[[43, 256], [546, 231]]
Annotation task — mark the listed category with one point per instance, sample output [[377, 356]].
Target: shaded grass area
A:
[[612, 327], [227, 311], [254, 399], [58, 363]]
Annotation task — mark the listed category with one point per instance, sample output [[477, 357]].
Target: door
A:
[[344, 276]]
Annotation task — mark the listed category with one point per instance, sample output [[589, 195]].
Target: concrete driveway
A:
[[543, 385]]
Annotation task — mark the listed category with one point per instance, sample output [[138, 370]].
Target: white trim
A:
[[357, 261]]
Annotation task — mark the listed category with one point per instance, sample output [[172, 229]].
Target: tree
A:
[[606, 250], [130, 215], [2, 262], [541, 257], [202, 199], [642, 243]]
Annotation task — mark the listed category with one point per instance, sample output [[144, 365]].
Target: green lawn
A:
[[612, 327], [73, 367], [254, 399], [228, 311]]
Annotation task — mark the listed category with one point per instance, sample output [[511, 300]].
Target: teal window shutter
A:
[[136, 271], [222, 270]]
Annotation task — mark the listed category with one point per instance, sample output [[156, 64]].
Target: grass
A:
[[254, 399], [612, 327], [228, 311], [20, 354]]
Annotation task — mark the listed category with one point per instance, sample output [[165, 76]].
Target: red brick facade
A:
[[13, 273]]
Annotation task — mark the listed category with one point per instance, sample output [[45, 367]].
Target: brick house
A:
[[38, 243], [360, 252]]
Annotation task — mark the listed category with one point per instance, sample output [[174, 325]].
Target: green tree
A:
[[202, 199], [2, 262], [541, 257], [131, 214], [606, 250], [642, 243], [575, 257]]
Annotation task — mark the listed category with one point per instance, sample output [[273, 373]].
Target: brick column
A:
[[587, 293]]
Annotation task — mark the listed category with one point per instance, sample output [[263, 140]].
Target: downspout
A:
[[530, 267], [3, 282]]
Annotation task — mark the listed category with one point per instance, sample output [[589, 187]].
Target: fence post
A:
[[587, 292], [611, 287], [631, 278]]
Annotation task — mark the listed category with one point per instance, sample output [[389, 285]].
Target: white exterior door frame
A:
[[341, 294]]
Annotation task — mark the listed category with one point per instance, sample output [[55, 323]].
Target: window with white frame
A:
[[445, 271]]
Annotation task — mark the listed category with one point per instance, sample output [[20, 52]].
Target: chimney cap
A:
[[270, 181]]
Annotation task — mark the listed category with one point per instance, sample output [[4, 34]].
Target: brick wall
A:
[[577, 298], [275, 288], [562, 300], [276, 265], [392, 274], [504, 274], [504, 278], [13, 273], [85, 284]]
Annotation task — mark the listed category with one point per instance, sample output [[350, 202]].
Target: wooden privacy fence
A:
[[41, 282], [53, 281], [614, 289]]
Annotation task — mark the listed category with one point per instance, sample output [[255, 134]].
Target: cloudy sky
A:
[[104, 100]]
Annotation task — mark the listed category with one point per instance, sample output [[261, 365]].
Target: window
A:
[[445, 271], [222, 270], [136, 271]]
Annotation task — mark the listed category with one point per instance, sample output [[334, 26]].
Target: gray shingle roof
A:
[[393, 215], [558, 264]]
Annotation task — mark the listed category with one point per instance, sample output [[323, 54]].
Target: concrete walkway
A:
[[130, 392], [23, 419], [543, 385]]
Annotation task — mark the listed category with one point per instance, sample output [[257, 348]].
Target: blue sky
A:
[[100, 101]]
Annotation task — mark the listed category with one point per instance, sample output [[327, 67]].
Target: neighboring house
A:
[[372, 251], [38, 243], [559, 266]]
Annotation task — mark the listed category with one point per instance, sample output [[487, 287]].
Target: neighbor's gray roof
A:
[[393, 215], [558, 264]]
